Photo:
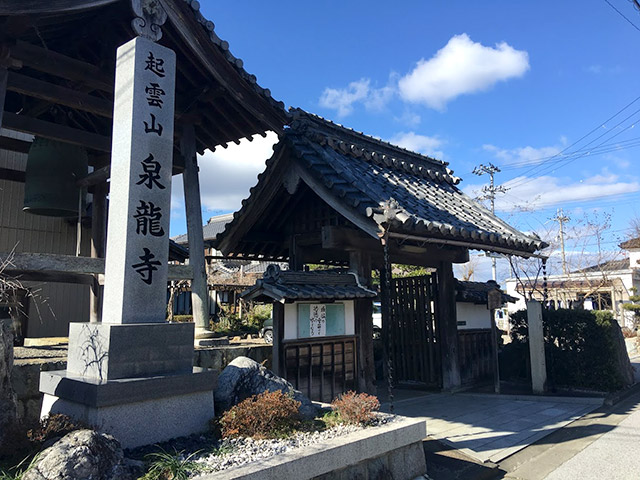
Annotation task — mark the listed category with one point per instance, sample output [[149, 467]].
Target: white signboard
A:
[[318, 320], [140, 194]]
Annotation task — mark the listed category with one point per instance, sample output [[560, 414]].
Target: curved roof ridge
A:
[[372, 148]]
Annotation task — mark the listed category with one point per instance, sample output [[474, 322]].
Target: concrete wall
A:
[[53, 305]]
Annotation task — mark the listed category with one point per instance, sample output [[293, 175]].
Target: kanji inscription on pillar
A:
[[140, 192]]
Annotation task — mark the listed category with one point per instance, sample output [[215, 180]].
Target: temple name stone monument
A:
[[132, 374]]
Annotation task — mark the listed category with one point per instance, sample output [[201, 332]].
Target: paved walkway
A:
[[614, 455], [492, 427]]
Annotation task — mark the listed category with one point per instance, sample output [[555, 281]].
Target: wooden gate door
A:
[[413, 346]]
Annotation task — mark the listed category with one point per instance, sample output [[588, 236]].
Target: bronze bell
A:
[[53, 168]]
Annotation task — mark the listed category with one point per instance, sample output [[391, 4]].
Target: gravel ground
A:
[[241, 451], [214, 456]]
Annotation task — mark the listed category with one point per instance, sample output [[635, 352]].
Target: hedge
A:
[[580, 349]]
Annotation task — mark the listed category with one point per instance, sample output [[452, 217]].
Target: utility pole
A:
[[489, 192], [561, 218]]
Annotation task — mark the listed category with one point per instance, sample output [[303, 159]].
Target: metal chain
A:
[[386, 297], [545, 290]]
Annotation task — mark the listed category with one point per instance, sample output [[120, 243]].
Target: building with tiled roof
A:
[[603, 286], [376, 187], [331, 195]]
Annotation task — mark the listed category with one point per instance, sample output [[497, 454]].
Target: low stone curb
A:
[[337, 454], [620, 395]]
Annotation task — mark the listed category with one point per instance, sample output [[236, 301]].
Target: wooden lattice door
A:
[[413, 336]]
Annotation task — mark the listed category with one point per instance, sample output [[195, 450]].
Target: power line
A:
[[622, 15], [604, 148], [600, 125], [564, 163]]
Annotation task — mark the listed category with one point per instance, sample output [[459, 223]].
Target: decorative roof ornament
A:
[[150, 16], [272, 274]]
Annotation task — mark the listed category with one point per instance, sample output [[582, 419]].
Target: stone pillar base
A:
[[137, 411]]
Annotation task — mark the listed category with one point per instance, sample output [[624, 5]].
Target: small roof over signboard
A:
[[288, 286]]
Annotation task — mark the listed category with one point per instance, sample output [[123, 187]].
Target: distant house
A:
[[604, 286], [471, 305], [227, 277]]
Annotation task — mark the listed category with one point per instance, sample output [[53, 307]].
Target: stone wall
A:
[[28, 365], [217, 358], [7, 396]]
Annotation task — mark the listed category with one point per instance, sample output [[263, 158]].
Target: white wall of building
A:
[[473, 316]]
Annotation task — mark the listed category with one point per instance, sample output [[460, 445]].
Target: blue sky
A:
[[512, 83]]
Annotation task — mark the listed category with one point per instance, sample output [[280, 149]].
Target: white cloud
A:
[[419, 143], [378, 98], [342, 99], [409, 118], [545, 191], [461, 67], [226, 175], [523, 155]]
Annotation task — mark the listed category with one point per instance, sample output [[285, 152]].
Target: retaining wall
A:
[[30, 361]]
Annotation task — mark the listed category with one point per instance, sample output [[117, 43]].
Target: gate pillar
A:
[[447, 326]]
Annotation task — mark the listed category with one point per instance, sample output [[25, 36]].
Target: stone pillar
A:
[[140, 201], [132, 374], [536, 347]]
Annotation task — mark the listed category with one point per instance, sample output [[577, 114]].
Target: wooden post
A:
[[448, 327], [4, 74], [295, 254], [277, 363], [98, 232], [199, 289], [494, 300], [360, 264]]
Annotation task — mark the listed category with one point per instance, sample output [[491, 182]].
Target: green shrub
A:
[[267, 415], [182, 318], [580, 349], [258, 315], [170, 466], [355, 407]]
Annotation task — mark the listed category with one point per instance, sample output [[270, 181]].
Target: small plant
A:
[[629, 333], [182, 318], [170, 466], [355, 407], [17, 472], [267, 415], [54, 426]]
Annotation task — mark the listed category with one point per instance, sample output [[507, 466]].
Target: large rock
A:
[[8, 404], [244, 377], [82, 455]]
